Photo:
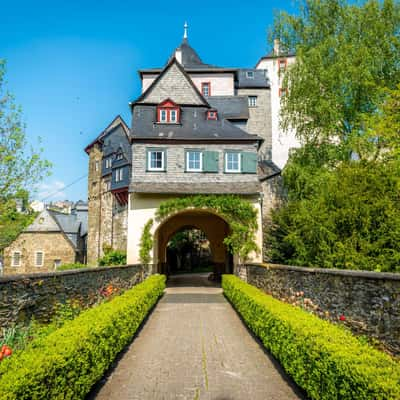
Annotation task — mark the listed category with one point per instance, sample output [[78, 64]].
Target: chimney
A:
[[276, 47]]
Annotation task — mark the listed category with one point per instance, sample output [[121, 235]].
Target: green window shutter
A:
[[165, 159], [210, 161], [249, 163]]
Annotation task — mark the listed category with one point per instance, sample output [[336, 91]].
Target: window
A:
[[232, 162], [119, 174], [120, 156], [96, 166], [212, 115], [16, 259], [57, 263], [156, 160], [282, 92], [173, 116], [252, 101], [194, 161], [282, 64], [250, 74], [163, 115], [39, 258], [205, 89], [168, 112], [108, 162]]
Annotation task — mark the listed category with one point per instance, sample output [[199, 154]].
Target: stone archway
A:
[[214, 227]]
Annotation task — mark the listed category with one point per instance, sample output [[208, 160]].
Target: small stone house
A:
[[51, 240]]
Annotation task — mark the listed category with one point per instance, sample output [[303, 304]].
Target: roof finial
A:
[[185, 27]]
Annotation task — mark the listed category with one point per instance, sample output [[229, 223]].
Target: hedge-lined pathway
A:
[[194, 346]]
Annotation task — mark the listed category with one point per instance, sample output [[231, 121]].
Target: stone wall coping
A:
[[329, 271], [20, 277]]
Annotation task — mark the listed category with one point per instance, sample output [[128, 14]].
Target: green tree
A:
[[21, 166], [342, 207], [347, 55]]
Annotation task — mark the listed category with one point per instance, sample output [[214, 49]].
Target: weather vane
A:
[[185, 27]]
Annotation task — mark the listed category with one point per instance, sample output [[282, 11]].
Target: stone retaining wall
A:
[[369, 302], [25, 296]]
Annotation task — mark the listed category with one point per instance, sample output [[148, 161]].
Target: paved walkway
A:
[[194, 346]]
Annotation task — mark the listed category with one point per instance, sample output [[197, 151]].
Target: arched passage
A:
[[214, 227]]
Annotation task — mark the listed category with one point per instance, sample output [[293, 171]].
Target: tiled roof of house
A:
[[230, 107], [252, 78]]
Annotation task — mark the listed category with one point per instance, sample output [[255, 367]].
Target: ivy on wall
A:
[[240, 215], [146, 243]]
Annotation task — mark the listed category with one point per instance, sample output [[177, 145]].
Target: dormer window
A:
[[212, 115], [168, 112], [119, 156], [250, 74]]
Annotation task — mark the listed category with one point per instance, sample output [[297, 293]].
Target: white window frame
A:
[[200, 169], [149, 167], [119, 156], [36, 253], [175, 114], [163, 113], [19, 259], [203, 87], [252, 101], [119, 174], [250, 74], [108, 162], [227, 169]]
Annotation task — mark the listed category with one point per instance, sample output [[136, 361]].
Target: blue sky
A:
[[72, 65]]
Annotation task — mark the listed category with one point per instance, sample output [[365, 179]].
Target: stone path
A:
[[194, 346]]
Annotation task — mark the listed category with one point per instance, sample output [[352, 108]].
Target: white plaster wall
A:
[[282, 141], [143, 207], [222, 84]]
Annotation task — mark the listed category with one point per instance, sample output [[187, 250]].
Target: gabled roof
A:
[[150, 95], [267, 169], [117, 121]]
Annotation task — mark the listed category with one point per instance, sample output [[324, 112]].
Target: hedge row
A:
[[66, 364], [325, 360]]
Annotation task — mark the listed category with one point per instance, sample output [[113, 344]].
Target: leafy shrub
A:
[[113, 257], [66, 267], [327, 361], [66, 363]]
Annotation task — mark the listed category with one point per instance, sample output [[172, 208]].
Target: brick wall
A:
[[24, 296], [370, 301]]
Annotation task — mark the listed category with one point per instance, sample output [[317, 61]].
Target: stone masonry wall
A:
[[259, 122], [175, 171], [369, 301], [54, 245], [25, 296]]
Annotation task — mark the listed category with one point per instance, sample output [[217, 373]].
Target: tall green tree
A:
[[343, 184], [21, 166], [347, 55]]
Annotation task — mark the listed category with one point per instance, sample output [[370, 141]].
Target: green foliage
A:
[[112, 257], [345, 215], [146, 243], [327, 361], [21, 166], [237, 212], [346, 57], [66, 363], [66, 267]]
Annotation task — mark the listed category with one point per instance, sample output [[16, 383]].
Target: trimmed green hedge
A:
[[66, 364], [327, 361]]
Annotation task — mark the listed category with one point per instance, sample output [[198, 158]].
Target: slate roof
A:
[[193, 126], [230, 107], [259, 79], [248, 188], [117, 121], [267, 169]]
